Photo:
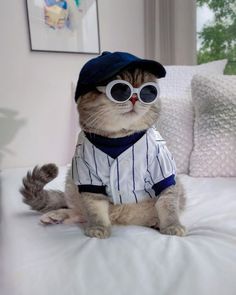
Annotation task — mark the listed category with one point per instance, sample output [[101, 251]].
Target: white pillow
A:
[[214, 152], [178, 78], [176, 118]]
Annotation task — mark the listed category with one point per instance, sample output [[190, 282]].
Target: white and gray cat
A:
[[101, 116]]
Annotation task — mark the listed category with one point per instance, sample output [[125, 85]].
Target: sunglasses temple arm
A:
[[101, 89]]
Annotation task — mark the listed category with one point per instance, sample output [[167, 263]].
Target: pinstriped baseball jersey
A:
[[142, 171]]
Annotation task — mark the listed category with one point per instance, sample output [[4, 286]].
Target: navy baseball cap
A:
[[99, 70]]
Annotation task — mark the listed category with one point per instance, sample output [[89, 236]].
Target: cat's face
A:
[[100, 115]]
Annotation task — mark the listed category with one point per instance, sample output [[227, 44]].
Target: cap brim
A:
[[150, 66]]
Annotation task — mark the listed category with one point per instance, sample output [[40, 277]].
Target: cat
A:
[[102, 117]]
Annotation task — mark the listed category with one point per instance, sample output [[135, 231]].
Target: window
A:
[[216, 32]]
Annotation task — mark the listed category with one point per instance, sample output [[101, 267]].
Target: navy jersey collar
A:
[[114, 146]]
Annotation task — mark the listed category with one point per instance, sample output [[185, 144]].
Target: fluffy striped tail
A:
[[34, 193]]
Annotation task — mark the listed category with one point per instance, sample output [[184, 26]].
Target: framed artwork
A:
[[63, 26]]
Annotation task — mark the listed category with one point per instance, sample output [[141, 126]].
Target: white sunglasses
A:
[[121, 91]]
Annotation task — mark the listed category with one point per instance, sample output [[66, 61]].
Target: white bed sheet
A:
[[135, 260]]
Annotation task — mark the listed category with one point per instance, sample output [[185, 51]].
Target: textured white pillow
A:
[[176, 126], [214, 152], [176, 119]]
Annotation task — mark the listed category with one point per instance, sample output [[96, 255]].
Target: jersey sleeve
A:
[[162, 170], [83, 175], [85, 179]]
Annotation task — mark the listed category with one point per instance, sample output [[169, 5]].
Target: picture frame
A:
[[66, 26]]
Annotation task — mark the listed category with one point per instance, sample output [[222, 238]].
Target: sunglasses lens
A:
[[120, 92], [148, 93]]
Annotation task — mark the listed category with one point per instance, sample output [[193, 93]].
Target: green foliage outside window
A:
[[218, 38]]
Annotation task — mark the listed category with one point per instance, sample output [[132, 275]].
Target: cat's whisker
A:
[[95, 114], [94, 118]]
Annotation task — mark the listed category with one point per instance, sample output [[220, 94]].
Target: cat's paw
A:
[[53, 217], [175, 229], [98, 231]]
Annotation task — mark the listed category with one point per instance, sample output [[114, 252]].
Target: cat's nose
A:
[[134, 98]]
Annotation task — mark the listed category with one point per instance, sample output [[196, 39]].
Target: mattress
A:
[[59, 259]]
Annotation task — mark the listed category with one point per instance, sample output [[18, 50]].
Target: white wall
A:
[[38, 121]]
